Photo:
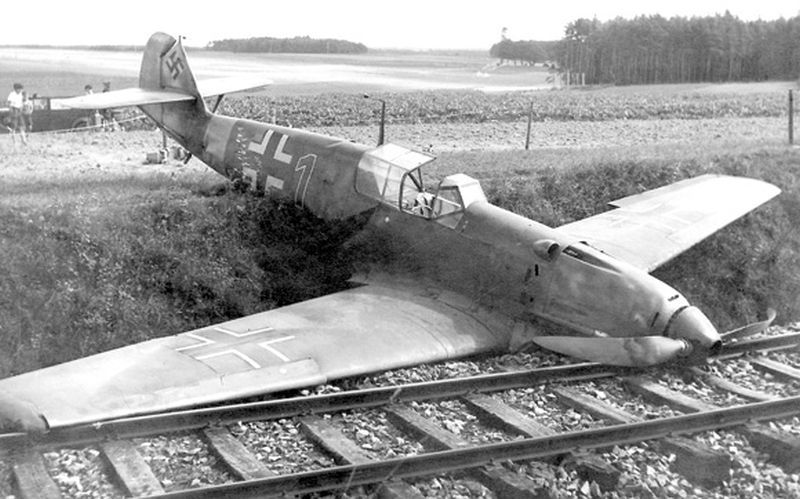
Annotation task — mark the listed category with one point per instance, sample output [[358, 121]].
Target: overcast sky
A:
[[416, 24]]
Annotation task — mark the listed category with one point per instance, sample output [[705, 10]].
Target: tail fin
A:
[[164, 67]]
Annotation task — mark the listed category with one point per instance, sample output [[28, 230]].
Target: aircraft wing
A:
[[361, 330], [649, 229], [141, 96]]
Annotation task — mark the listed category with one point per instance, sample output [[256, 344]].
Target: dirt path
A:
[[92, 155]]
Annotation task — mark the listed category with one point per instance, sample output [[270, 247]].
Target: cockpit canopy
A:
[[392, 175]]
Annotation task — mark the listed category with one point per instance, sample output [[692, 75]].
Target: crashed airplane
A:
[[492, 278]]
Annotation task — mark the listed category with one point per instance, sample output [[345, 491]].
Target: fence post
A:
[[791, 117], [528, 134]]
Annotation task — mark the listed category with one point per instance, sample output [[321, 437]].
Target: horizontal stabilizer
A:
[[126, 97], [142, 97]]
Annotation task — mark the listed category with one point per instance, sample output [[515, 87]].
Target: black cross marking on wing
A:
[[227, 351]]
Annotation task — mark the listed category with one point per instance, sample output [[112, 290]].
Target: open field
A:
[[65, 72]]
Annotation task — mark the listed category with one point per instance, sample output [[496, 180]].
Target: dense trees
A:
[[522, 51], [653, 49], [296, 45]]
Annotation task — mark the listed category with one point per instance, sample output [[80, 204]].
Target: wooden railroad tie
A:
[[504, 482], [128, 466], [345, 451], [782, 448], [31, 477], [588, 466], [693, 460], [240, 461]]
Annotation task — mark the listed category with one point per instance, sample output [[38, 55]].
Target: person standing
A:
[[27, 111], [15, 101], [108, 114]]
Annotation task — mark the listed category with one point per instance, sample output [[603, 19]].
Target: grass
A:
[[89, 275]]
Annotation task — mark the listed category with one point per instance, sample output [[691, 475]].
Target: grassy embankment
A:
[[92, 261], [93, 264]]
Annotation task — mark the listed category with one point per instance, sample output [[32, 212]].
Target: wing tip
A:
[[18, 415]]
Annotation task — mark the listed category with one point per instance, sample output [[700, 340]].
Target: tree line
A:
[[527, 52], [653, 49], [296, 45]]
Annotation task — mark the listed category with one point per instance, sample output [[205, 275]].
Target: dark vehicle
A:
[[49, 115]]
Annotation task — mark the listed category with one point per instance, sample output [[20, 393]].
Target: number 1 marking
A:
[[305, 165]]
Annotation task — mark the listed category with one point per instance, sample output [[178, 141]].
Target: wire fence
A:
[[101, 126]]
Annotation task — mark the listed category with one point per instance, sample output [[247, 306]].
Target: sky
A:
[[410, 24]]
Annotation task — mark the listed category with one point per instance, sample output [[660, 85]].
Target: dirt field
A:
[[124, 152], [121, 154], [506, 136]]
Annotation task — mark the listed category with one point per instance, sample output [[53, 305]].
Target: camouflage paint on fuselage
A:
[[492, 257], [313, 170]]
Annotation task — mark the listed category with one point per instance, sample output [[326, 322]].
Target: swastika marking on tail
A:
[[174, 63]]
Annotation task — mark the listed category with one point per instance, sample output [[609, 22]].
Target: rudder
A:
[[164, 66]]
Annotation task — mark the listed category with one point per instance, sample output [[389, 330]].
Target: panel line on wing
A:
[[241, 335]]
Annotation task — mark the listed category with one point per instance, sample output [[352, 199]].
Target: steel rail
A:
[[345, 477], [774, 342], [193, 419]]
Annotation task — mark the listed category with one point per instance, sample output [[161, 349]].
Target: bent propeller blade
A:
[[630, 352], [750, 329]]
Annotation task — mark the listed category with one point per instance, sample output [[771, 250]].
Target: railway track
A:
[[514, 431]]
